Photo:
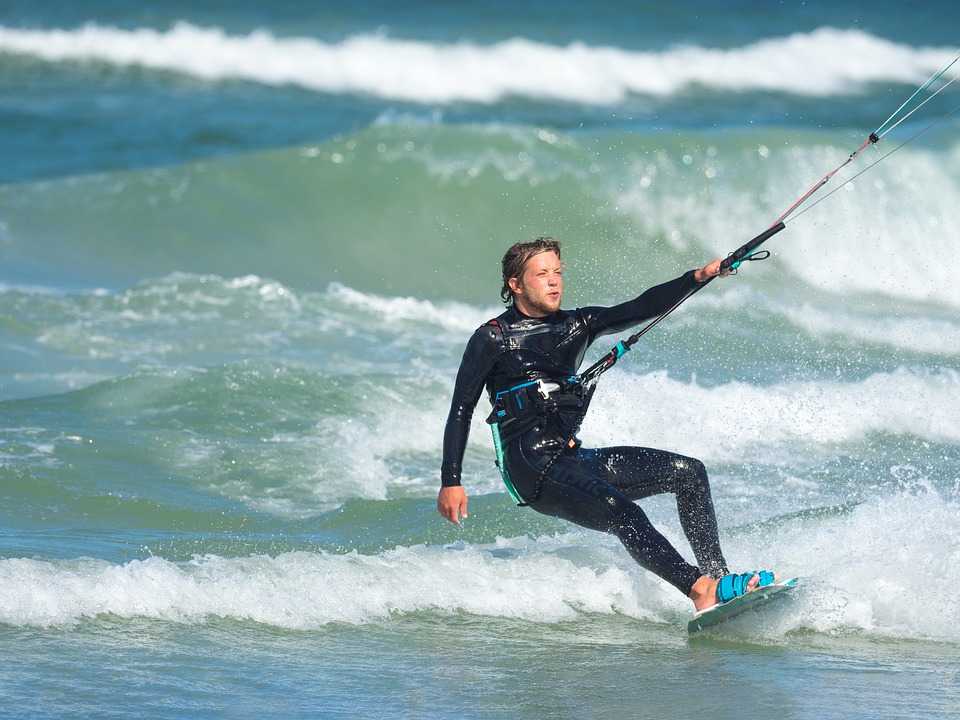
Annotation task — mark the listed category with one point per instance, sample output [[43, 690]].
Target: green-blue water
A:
[[234, 295]]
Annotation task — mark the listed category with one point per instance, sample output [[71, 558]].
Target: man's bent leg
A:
[[641, 472], [573, 493]]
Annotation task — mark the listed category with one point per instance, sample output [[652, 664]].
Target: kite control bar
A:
[[746, 251]]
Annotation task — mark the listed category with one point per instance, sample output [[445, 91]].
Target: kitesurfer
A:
[[527, 358]]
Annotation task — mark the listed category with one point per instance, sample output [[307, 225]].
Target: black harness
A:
[[545, 401]]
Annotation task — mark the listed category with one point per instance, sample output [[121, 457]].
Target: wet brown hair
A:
[[516, 257]]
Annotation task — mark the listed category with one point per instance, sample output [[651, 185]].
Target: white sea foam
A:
[[904, 329], [888, 568], [917, 334], [29, 289], [387, 448], [802, 63], [248, 313], [448, 315], [362, 456], [739, 423], [886, 233], [877, 569], [302, 590], [385, 451]]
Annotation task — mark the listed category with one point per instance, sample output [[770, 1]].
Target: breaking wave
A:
[[423, 72]]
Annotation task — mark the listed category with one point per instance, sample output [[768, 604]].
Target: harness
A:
[[519, 408]]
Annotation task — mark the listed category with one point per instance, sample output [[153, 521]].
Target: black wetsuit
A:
[[593, 488]]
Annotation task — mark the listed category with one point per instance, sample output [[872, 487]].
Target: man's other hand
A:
[[452, 503]]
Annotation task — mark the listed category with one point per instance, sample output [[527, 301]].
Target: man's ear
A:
[[514, 284]]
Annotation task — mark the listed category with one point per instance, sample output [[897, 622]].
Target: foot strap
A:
[[735, 585]]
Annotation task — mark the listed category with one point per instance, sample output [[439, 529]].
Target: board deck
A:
[[728, 610]]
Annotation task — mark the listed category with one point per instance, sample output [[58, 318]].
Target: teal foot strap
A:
[[735, 585]]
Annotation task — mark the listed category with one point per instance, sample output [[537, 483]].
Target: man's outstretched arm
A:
[[652, 302]]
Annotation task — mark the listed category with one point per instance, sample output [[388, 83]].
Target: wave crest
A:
[[423, 72], [873, 570]]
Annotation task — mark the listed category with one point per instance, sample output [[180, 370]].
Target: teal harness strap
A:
[[498, 446], [495, 426]]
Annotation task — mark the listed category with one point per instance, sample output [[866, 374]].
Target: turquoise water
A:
[[234, 295]]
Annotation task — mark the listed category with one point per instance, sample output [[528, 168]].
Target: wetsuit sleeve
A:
[[478, 360], [607, 320]]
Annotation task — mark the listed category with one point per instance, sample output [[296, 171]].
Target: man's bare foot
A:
[[704, 591]]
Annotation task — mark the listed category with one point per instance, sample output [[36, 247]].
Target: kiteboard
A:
[[722, 612]]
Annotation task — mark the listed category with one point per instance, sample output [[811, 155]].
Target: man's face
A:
[[539, 290]]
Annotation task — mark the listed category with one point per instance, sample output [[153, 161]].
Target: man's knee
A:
[[691, 474]]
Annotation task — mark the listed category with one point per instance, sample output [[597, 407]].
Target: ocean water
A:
[[242, 247]]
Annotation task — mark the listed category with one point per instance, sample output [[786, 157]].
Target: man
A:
[[525, 358]]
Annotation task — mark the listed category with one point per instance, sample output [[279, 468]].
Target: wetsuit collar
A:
[[524, 316]]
